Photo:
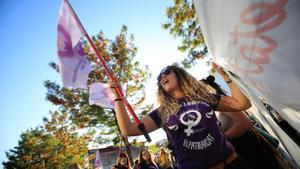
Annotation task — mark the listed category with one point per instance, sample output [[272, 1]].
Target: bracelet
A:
[[229, 81], [118, 99]]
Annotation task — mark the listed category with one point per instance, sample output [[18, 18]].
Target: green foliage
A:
[[55, 145], [135, 143], [154, 148], [119, 55], [182, 22]]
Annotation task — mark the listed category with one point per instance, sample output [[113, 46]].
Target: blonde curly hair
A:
[[193, 90], [164, 158]]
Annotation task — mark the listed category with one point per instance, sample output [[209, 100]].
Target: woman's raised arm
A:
[[238, 101], [129, 128]]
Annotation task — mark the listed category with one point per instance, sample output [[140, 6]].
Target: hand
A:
[[220, 70], [112, 85]]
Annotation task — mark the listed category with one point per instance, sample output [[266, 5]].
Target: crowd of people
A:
[[200, 139], [146, 160]]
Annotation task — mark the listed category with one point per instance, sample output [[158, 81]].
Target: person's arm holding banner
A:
[[129, 128], [238, 101]]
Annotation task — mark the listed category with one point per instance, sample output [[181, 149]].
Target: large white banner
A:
[[259, 41]]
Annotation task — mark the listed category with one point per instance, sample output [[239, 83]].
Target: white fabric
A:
[[259, 40], [99, 94], [74, 66], [98, 162]]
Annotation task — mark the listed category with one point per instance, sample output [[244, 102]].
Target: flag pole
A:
[[140, 125]]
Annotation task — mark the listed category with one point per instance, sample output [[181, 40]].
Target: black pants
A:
[[255, 153], [238, 163]]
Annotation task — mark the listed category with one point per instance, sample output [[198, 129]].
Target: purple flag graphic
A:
[[74, 66]]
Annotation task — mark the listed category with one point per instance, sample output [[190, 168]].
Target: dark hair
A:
[[143, 161], [210, 80], [122, 154]]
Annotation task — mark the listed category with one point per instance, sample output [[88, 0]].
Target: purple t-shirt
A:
[[195, 135]]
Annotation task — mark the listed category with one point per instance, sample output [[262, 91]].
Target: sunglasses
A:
[[166, 71]]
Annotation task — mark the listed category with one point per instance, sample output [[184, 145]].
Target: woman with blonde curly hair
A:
[[186, 113], [164, 160]]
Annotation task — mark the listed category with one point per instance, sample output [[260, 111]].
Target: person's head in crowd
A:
[[210, 80], [164, 158], [175, 83], [123, 160], [146, 157]]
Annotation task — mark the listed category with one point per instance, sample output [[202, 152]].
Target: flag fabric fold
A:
[[74, 66], [99, 94], [98, 162]]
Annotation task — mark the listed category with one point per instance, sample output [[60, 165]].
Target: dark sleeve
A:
[[217, 97], [155, 117]]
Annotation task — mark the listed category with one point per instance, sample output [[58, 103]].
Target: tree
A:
[[182, 22], [57, 144], [119, 55], [154, 148], [67, 145], [22, 155]]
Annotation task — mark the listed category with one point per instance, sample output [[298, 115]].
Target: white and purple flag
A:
[[98, 162], [74, 66], [99, 94]]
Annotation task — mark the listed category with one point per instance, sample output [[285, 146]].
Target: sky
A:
[[28, 33]]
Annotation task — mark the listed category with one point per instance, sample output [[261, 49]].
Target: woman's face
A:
[[168, 80], [145, 155], [123, 160]]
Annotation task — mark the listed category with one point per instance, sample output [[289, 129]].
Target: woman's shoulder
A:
[[154, 115], [154, 111]]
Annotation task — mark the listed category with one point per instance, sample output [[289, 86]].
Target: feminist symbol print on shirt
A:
[[190, 119]]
